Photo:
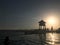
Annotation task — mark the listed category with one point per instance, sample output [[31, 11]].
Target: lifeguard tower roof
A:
[[42, 21]]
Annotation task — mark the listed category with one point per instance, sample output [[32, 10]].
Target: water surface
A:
[[19, 38]]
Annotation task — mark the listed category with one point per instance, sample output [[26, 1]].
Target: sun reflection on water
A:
[[52, 39]]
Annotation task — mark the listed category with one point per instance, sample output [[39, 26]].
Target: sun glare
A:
[[52, 21]]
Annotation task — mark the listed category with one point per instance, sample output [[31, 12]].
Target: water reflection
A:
[[53, 38]]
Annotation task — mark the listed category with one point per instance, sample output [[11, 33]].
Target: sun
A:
[[52, 21]]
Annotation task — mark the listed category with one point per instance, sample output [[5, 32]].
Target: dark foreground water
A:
[[19, 38]]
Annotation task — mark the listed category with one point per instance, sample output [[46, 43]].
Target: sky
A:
[[25, 14]]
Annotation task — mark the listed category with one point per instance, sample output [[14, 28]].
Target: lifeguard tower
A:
[[42, 24]]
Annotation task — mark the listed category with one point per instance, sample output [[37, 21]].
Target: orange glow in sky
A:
[[52, 20]]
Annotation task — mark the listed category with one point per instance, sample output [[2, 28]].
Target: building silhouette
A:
[[42, 24]]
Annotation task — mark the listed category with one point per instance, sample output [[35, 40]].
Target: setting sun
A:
[[52, 21]]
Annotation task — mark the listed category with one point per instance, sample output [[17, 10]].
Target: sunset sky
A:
[[25, 14]]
